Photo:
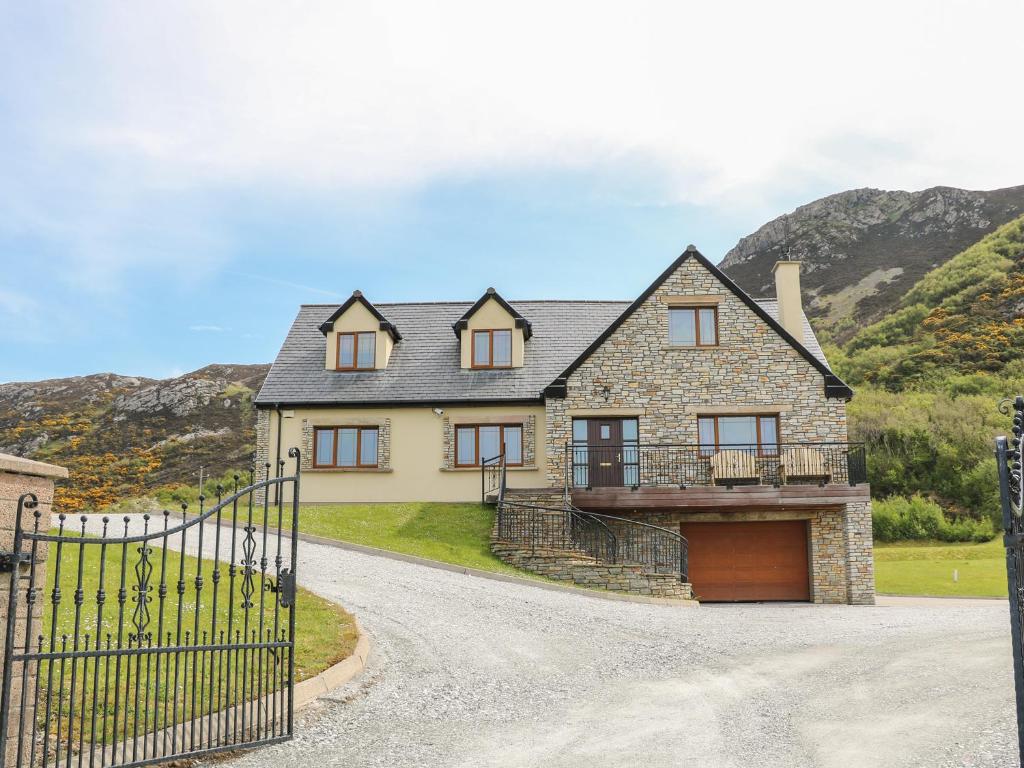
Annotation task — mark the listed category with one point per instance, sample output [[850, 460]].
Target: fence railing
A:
[[492, 478], [608, 539], [684, 466]]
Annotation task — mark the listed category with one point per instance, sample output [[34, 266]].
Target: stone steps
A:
[[586, 571]]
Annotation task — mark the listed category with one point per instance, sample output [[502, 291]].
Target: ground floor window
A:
[[345, 447], [479, 442], [758, 433]]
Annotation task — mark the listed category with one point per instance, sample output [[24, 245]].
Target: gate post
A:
[[18, 477]]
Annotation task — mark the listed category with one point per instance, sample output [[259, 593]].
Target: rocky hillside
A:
[[864, 249], [124, 435]]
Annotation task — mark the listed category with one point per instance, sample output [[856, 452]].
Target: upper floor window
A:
[[758, 434], [492, 349], [693, 326], [479, 442], [345, 447], [357, 351]]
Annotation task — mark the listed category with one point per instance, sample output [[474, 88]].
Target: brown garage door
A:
[[748, 560]]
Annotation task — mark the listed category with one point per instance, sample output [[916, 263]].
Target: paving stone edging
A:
[[337, 675]]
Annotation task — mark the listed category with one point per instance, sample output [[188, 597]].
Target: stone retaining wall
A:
[[587, 572]]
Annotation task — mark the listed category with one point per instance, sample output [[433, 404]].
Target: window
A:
[[693, 326], [477, 442], [492, 349], [345, 447], [356, 351], [760, 433]]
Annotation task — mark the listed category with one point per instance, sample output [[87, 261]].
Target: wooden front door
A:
[[604, 449], [748, 561]]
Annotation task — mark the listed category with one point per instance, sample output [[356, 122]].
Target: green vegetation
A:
[[963, 316], [918, 519], [933, 444], [927, 569], [325, 635], [928, 378], [452, 533]]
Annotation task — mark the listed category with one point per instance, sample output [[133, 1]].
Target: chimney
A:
[[787, 291]]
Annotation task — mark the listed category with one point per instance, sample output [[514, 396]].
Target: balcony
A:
[[645, 475]]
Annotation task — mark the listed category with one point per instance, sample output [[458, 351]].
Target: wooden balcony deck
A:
[[719, 498]]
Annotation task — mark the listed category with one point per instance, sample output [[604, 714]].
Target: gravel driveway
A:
[[478, 673]]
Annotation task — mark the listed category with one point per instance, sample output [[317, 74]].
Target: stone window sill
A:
[[687, 348], [527, 468], [348, 469]]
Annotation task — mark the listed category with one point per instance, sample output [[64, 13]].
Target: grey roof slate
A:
[[771, 306], [425, 365]]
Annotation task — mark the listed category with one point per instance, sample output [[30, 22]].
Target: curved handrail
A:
[[625, 542], [165, 532]]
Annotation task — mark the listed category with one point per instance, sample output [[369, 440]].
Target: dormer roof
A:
[[520, 322], [328, 325]]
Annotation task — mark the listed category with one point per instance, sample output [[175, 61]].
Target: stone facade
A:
[[636, 368], [860, 561]]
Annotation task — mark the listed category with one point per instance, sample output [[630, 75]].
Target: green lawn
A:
[[325, 634], [927, 569], [452, 533]]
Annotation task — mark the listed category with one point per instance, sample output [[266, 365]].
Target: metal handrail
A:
[[492, 477], [607, 538], [688, 464]]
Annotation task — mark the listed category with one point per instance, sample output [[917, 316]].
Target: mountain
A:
[[124, 435], [864, 249], [959, 327]]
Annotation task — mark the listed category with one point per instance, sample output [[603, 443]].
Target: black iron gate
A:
[[160, 638], [1008, 461]]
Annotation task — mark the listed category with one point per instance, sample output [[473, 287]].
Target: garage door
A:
[[748, 560]]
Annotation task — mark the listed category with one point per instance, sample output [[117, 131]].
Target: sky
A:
[[176, 178]]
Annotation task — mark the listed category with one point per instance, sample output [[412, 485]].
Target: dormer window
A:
[[492, 334], [351, 345], [492, 348], [357, 351]]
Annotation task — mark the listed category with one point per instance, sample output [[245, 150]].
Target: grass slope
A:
[[962, 317], [452, 533], [325, 634], [927, 569]]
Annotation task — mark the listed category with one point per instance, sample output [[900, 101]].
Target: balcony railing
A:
[[684, 466]]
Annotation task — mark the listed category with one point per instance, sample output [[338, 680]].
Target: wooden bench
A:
[[732, 467], [805, 464]]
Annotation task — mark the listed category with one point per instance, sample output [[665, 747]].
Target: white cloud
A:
[[130, 107], [725, 98], [208, 328]]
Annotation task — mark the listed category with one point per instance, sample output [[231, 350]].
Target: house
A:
[[695, 408]]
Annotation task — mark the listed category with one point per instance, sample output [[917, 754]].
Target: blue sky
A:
[[177, 179]]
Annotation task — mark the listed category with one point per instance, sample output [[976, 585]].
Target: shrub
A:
[[916, 518]]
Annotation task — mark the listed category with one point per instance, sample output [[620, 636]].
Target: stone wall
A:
[[19, 476], [860, 561], [636, 368], [587, 572]]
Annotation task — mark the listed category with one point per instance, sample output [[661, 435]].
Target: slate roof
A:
[[425, 365]]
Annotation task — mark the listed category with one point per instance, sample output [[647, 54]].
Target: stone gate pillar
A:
[[19, 476]]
